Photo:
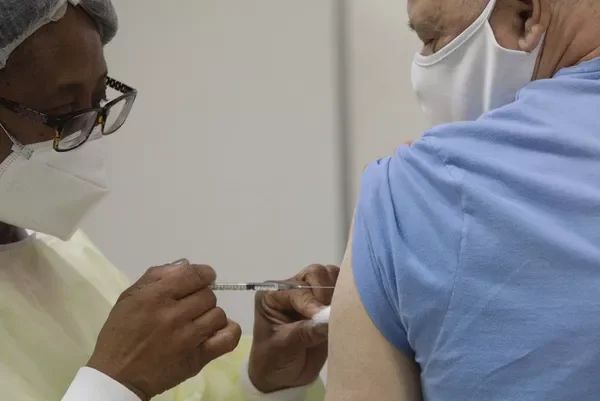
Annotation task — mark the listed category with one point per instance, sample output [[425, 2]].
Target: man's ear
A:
[[517, 24], [533, 31]]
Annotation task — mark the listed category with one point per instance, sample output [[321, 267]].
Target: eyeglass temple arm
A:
[[24, 111], [118, 85]]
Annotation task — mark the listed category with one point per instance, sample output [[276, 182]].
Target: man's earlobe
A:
[[531, 38], [533, 31]]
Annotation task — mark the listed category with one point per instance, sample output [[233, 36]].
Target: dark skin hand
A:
[[288, 349], [164, 330]]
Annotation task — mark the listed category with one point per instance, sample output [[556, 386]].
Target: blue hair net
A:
[[19, 19]]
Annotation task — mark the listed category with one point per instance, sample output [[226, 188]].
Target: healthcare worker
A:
[[60, 337], [475, 257]]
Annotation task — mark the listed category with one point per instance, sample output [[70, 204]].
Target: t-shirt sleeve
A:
[[406, 240], [374, 291]]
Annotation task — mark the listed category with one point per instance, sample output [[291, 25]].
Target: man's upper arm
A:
[[363, 365]]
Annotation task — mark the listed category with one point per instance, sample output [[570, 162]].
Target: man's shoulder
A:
[[414, 175], [410, 215]]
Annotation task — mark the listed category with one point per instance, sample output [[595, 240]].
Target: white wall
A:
[[384, 113], [230, 155]]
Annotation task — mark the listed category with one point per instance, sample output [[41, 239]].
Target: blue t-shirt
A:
[[477, 249]]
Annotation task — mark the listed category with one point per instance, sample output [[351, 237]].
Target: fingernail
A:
[[181, 262]]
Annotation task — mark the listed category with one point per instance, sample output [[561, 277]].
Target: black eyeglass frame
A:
[[58, 123]]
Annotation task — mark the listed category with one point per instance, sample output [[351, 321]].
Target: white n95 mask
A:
[[50, 192], [471, 75]]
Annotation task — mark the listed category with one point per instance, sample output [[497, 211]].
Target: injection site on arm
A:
[[357, 350]]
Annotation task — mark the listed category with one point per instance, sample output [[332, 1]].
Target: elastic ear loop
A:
[[461, 39], [16, 147]]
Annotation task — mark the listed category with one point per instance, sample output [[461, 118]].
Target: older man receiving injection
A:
[[474, 266]]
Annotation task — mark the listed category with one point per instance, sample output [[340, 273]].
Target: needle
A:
[[266, 286]]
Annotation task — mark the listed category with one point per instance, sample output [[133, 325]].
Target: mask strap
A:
[[17, 147], [460, 40]]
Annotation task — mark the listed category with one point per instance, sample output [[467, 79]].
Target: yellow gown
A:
[[54, 298]]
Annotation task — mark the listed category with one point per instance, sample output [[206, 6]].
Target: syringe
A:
[[264, 286], [270, 285]]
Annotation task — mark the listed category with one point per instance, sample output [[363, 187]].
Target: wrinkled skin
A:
[[568, 28]]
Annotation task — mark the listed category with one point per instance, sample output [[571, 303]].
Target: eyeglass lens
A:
[[77, 130], [116, 114]]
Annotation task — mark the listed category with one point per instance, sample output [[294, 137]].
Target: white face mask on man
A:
[[471, 75], [51, 192]]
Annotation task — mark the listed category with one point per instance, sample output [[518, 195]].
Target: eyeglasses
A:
[[74, 129]]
